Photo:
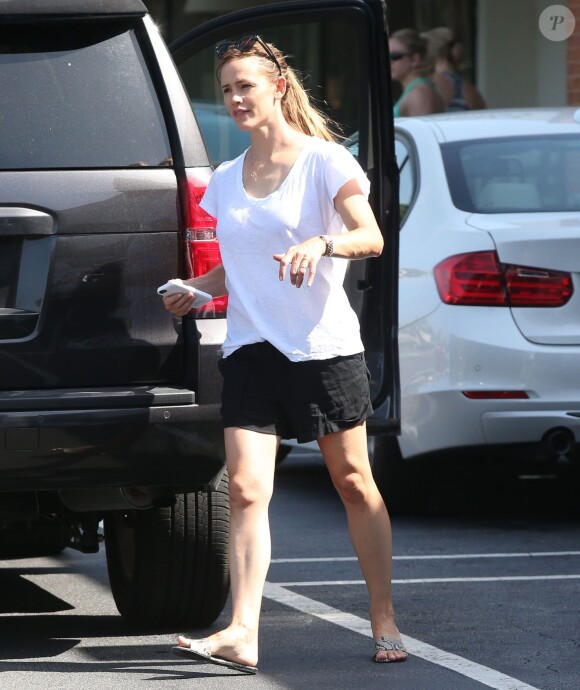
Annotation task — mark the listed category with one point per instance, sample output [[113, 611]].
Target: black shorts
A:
[[264, 391]]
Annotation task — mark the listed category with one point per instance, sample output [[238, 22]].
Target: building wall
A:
[[516, 64], [573, 57]]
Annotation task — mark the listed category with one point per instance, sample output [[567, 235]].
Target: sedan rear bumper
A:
[[515, 427], [479, 350]]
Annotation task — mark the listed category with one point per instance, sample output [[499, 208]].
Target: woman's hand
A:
[[213, 282], [301, 259], [178, 304]]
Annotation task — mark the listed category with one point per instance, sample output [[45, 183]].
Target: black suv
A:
[[109, 407]]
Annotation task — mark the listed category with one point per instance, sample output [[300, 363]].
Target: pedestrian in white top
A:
[[291, 210]]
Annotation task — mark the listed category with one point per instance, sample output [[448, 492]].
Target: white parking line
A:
[[432, 580], [436, 557], [483, 674]]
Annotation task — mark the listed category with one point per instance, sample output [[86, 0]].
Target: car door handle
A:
[[16, 323], [24, 233], [20, 221]]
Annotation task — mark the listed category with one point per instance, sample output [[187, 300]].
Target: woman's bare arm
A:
[[363, 239]]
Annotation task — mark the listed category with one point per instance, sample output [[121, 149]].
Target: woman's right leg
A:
[[251, 463]]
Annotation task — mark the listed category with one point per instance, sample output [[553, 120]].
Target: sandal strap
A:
[[389, 644], [200, 645]]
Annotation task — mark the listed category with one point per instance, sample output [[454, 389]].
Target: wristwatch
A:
[[329, 245]]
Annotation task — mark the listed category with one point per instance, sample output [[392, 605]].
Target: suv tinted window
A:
[[77, 99]]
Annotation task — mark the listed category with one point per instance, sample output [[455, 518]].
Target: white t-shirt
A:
[[303, 324]]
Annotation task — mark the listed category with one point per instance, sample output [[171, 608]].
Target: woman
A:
[[456, 92], [290, 211], [408, 53]]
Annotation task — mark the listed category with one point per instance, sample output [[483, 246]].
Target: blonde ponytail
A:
[[299, 111]]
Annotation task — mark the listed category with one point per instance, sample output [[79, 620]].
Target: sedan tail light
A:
[[478, 279], [202, 250]]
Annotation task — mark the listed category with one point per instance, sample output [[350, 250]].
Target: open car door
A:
[[341, 48]]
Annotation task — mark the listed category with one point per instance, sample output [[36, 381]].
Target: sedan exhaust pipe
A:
[[558, 443]]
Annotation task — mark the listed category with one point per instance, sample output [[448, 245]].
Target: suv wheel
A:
[[169, 566]]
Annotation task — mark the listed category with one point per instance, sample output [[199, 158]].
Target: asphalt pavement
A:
[[486, 588]]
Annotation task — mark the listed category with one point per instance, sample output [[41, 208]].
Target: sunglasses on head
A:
[[397, 55], [245, 45]]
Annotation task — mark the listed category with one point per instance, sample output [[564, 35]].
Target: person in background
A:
[[445, 53], [291, 211], [409, 67]]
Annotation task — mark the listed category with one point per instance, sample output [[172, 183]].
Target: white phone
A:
[[176, 286]]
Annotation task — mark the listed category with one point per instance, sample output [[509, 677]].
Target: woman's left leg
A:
[[346, 456]]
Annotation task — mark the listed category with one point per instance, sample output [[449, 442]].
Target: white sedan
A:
[[489, 310]]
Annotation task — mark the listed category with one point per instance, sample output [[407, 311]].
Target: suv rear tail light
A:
[[202, 251], [478, 279]]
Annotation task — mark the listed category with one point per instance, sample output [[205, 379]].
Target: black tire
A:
[[169, 566], [402, 483]]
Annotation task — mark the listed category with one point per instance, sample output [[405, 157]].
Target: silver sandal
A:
[[389, 644]]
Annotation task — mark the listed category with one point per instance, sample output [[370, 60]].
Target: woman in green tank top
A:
[[419, 97]]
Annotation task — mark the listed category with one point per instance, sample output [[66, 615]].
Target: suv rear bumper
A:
[[108, 438]]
